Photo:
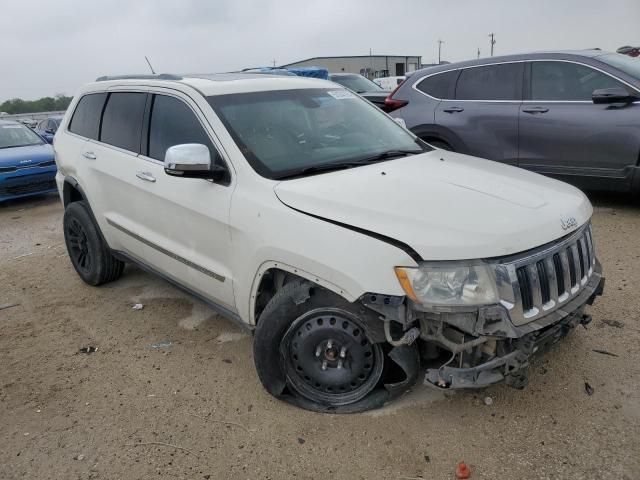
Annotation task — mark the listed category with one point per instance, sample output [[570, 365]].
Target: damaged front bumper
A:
[[479, 361]]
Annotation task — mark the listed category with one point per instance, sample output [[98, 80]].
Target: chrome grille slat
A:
[[544, 280]]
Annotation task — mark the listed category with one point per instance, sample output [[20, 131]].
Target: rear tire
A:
[[89, 254]]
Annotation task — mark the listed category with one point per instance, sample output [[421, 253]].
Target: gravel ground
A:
[[196, 410]]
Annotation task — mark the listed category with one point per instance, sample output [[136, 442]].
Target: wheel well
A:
[[71, 193], [271, 282], [433, 138]]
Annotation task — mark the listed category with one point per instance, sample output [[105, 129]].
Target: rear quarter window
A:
[[86, 117], [440, 85]]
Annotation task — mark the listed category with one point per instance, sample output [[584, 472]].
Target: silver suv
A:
[[571, 115]]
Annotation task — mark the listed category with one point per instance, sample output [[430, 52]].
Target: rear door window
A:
[[558, 81], [86, 118], [440, 85], [174, 123], [491, 82], [122, 120]]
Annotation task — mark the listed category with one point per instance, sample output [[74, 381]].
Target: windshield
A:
[[289, 132], [357, 83], [629, 65], [15, 135]]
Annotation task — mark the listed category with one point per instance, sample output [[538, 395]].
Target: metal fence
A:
[[34, 117]]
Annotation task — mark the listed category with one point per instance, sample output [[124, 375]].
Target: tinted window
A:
[[174, 123], [122, 120], [441, 85], [567, 81], [493, 82], [86, 118]]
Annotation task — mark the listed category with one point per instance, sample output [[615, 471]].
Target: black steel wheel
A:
[[328, 358]]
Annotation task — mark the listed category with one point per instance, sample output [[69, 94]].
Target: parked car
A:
[[27, 164], [389, 83], [48, 127], [348, 246], [570, 115], [362, 86]]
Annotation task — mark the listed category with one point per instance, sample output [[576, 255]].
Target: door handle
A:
[[89, 155], [453, 109], [535, 109], [146, 176]]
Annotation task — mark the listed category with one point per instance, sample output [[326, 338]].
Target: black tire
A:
[[88, 252], [313, 349], [440, 144]]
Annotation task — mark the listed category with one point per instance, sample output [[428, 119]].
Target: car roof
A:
[[552, 54], [213, 84]]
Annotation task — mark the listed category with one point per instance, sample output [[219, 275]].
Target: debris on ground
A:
[[463, 471], [4, 306], [488, 401], [137, 306], [427, 458], [23, 255], [613, 323], [88, 350], [162, 344], [79, 457], [301, 440], [604, 352], [588, 389]]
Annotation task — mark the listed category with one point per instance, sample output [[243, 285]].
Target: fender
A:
[[66, 199], [441, 133], [269, 264]]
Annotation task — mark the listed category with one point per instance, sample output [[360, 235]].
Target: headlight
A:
[[449, 285]]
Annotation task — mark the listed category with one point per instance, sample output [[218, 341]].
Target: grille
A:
[[21, 189], [536, 284]]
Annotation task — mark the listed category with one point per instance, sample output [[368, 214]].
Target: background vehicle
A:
[[27, 164], [389, 83], [558, 114], [48, 127], [296, 208], [362, 86]]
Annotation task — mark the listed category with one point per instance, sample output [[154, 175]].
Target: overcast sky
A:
[[50, 47]]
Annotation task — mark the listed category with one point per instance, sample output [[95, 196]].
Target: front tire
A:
[[89, 254], [315, 350]]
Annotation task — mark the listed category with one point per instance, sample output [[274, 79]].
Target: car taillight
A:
[[391, 104]]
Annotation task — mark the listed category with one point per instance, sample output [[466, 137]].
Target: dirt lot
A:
[[67, 415]]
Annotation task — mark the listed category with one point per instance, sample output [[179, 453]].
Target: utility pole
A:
[[478, 52], [274, 63], [492, 42], [371, 64], [440, 42]]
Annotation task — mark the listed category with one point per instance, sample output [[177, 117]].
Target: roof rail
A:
[[160, 76]]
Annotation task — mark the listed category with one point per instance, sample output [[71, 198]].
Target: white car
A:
[[356, 253], [389, 83]]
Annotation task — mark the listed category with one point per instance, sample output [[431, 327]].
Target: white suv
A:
[[356, 253]]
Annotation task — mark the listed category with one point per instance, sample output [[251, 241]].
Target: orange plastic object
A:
[[462, 471]]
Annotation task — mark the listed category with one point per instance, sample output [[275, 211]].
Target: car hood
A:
[[444, 205], [25, 156]]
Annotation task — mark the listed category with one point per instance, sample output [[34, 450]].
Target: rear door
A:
[[111, 156], [564, 134], [483, 112]]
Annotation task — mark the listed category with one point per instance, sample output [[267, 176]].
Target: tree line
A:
[[45, 104]]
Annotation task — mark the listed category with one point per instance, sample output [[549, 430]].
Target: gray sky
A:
[[51, 47]]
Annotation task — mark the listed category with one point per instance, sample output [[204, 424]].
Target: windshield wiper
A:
[[327, 167]]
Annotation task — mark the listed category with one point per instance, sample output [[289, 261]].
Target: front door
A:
[[184, 221], [483, 111], [565, 135]]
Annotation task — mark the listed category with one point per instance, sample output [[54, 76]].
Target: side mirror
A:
[[612, 95], [192, 160]]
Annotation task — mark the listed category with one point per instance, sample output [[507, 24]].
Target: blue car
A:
[[27, 163], [48, 127]]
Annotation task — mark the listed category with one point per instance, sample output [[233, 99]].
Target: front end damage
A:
[[475, 349]]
